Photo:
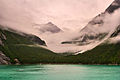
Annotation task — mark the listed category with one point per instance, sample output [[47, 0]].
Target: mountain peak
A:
[[117, 0], [96, 31], [49, 23], [48, 27], [114, 6]]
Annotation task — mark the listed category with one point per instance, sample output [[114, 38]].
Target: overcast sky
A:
[[67, 13], [72, 14]]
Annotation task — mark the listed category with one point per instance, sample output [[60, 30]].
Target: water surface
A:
[[60, 72]]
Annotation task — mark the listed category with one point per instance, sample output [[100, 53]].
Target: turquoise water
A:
[[60, 72]]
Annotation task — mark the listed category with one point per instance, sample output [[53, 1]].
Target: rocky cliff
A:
[[4, 59]]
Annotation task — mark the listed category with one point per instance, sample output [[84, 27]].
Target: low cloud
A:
[[70, 15]]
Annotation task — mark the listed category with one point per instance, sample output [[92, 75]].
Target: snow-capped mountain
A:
[[49, 27], [101, 27]]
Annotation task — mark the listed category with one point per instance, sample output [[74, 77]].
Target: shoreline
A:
[[64, 64]]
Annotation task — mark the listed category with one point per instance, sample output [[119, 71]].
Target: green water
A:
[[60, 72]]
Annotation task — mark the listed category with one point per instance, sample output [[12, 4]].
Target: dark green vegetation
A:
[[24, 48], [102, 54]]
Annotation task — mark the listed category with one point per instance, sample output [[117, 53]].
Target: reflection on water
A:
[[60, 72]]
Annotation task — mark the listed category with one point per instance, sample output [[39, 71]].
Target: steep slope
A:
[[8, 33], [21, 47], [102, 54], [116, 32], [106, 53], [114, 6], [4, 59], [49, 27], [98, 28]]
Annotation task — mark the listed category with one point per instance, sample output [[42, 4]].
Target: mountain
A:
[[102, 54], [97, 29], [108, 52], [19, 47], [32, 38], [114, 6], [116, 32], [49, 27]]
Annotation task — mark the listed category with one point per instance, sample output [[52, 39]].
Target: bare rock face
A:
[[17, 62], [49, 27], [1, 42], [116, 32], [4, 59], [2, 37], [95, 29], [114, 6], [36, 40]]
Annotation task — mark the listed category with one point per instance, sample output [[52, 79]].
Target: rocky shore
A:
[[4, 59]]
